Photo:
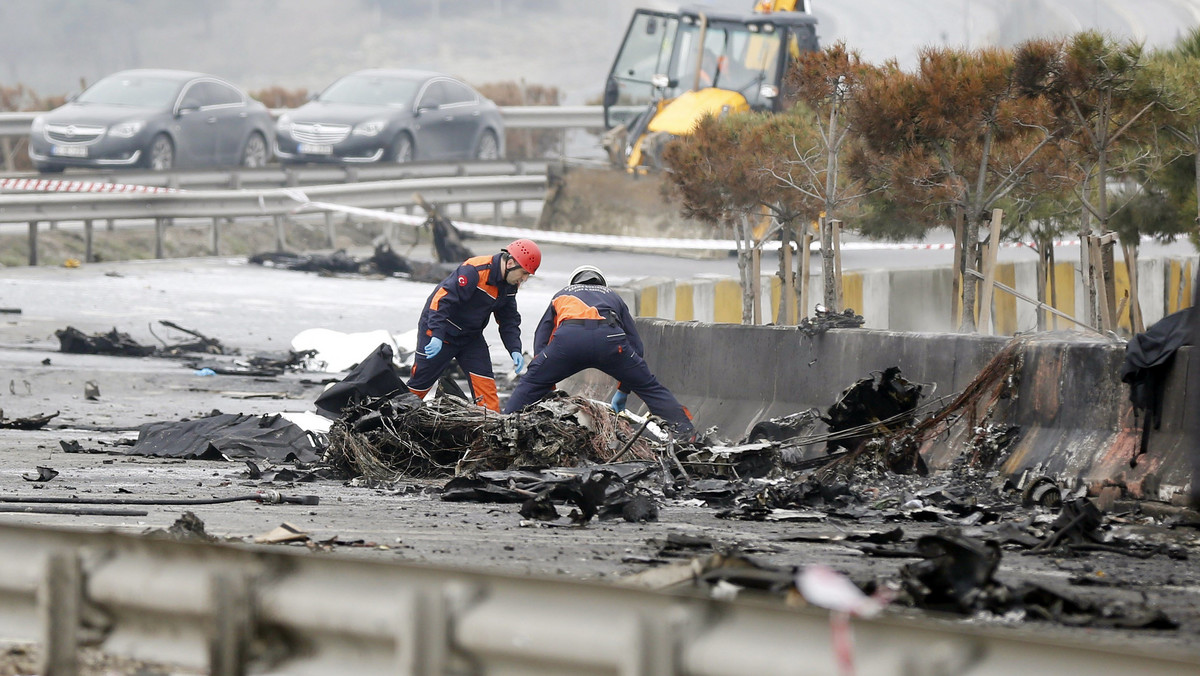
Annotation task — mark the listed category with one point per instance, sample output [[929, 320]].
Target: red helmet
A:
[[526, 254]]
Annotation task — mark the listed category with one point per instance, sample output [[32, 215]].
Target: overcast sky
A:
[[53, 46]]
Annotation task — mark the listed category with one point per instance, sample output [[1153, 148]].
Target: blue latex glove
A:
[[518, 362], [434, 346], [618, 401]]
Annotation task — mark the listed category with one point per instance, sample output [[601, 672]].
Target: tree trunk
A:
[[787, 298], [1196, 164], [745, 240], [828, 264], [805, 265], [1043, 280], [1085, 259], [970, 262], [956, 296]]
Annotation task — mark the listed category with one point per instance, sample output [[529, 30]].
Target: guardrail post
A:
[[33, 244], [462, 210], [87, 241], [280, 235], [6, 143], [232, 626], [423, 634], [498, 213], [330, 231], [160, 225], [216, 236], [60, 601]]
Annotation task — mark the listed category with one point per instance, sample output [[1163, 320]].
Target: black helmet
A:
[[588, 274]]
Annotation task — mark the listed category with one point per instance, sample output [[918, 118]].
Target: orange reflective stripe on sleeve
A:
[[433, 304], [490, 289], [484, 389]]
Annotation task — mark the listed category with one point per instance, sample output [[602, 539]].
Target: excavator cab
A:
[[675, 67]]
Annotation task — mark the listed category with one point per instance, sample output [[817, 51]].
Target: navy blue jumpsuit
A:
[[589, 326], [457, 312]]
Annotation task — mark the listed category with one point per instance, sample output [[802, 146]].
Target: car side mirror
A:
[[188, 107]]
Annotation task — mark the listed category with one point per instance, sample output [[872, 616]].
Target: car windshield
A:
[[148, 92], [371, 90]]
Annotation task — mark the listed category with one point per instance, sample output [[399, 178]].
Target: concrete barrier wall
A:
[[1075, 421], [921, 299]]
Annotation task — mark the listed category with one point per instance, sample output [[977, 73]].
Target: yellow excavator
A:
[[672, 69]]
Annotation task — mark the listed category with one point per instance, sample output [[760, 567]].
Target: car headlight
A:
[[126, 129], [369, 128], [39, 123], [284, 124]]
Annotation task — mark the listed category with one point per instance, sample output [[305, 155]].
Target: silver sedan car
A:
[[157, 119], [382, 115]]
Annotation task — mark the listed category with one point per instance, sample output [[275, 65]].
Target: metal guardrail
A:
[[277, 177], [58, 207], [222, 607], [16, 124], [515, 117]]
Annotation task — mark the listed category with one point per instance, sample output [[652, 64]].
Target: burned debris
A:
[[824, 320], [199, 352], [30, 422], [398, 436], [114, 342], [384, 261], [448, 251]]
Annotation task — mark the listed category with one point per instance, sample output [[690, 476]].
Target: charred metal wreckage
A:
[[855, 470]]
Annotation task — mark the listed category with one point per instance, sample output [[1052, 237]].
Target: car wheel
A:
[[488, 147], [403, 149], [161, 155], [255, 152]]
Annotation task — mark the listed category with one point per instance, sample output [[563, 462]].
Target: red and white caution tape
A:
[[570, 238], [58, 185], [586, 239]]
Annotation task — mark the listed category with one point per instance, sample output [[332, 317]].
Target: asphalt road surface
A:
[[259, 310]]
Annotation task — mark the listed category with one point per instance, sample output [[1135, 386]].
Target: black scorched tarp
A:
[[227, 436]]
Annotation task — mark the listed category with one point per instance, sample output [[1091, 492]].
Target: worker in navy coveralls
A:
[[452, 323], [588, 326]]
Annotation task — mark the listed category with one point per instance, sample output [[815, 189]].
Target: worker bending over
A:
[[452, 322], [588, 326]]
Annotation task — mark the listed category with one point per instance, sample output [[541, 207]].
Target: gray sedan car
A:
[[157, 119], [392, 116]]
